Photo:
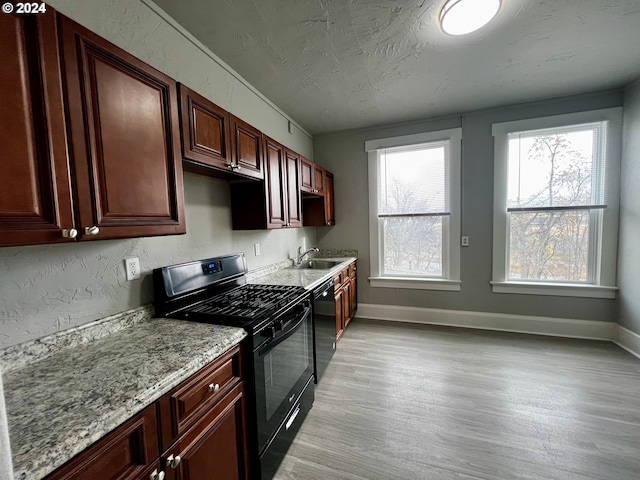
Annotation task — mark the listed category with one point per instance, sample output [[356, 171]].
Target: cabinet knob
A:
[[155, 475], [70, 233], [91, 230], [214, 388], [328, 223], [173, 461]]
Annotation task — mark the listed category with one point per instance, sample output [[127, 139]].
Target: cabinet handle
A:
[[70, 233], [173, 461], [156, 476], [328, 223], [214, 388], [91, 230]]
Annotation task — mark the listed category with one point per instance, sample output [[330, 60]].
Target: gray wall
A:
[[343, 153], [629, 240], [44, 289]]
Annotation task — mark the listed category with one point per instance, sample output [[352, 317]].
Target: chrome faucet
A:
[[301, 255]]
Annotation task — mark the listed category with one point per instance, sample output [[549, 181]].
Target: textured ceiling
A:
[[335, 65]]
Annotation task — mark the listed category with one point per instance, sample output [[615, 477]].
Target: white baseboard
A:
[[556, 327], [628, 340]]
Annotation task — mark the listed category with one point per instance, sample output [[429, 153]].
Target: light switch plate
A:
[[256, 249], [132, 267]]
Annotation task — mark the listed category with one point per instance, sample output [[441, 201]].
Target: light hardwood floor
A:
[[410, 402]]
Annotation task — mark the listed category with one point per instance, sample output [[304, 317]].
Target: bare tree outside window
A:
[[414, 209], [551, 195]]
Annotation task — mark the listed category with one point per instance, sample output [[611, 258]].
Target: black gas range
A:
[[278, 349]]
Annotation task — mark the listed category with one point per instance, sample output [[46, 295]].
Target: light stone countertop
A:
[[62, 402], [307, 278]]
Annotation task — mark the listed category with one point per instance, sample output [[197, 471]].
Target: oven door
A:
[[283, 364]]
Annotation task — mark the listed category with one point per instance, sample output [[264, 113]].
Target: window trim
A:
[[604, 266], [451, 243]]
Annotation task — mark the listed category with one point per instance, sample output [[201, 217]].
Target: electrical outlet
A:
[[256, 248], [464, 241], [132, 267]]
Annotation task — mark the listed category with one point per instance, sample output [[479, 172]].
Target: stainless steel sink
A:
[[315, 265]]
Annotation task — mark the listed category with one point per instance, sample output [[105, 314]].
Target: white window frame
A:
[[603, 266], [450, 280]]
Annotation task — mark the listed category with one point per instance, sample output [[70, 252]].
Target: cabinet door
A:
[[127, 453], [294, 201], [329, 199], [204, 128], [346, 303], [216, 447], [276, 188], [339, 298], [246, 149], [307, 175], [35, 197], [353, 290], [318, 182], [123, 118]]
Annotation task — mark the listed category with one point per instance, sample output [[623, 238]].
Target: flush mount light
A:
[[459, 17]]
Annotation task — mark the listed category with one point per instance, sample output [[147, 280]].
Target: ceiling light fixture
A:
[[459, 17]]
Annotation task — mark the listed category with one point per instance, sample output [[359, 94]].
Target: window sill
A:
[[555, 289], [416, 283]]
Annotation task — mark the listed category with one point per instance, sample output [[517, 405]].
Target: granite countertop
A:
[[307, 278], [73, 391]]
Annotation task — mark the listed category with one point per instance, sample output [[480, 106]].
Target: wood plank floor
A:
[[410, 402]]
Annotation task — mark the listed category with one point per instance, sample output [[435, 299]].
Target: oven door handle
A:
[[271, 344]]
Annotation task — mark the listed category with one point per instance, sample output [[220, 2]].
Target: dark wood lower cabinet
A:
[[346, 297], [202, 423], [216, 447], [127, 453]]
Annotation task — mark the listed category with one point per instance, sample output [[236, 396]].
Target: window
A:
[[414, 205], [556, 204]]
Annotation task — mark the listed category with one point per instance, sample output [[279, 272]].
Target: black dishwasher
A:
[[324, 319]]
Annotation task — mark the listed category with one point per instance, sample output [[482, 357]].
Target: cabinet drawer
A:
[[188, 402], [337, 281], [124, 454], [352, 270]]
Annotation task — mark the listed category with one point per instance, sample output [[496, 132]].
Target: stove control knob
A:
[[269, 332], [277, 326]]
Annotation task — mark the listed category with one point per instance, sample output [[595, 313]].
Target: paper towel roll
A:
[[6, 466]]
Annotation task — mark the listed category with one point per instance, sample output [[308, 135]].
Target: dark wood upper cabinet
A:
[[307, 178], [318, 210], [125, 141], [276, 184], [318, 179], [35, 196], [293, 199], [216, 143], [204, 128], [274, 203], [311, 177], [329, 205], [246, 149]]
